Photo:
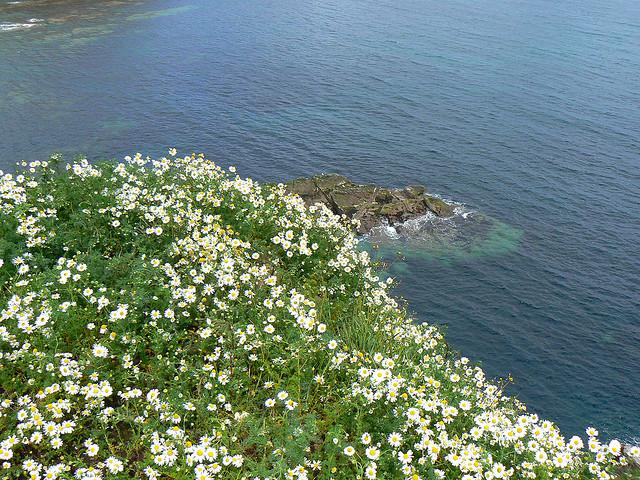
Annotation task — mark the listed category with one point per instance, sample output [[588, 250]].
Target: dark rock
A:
[[352, 198], [330, 181], [412, 191], [438, 206], [368, 219], [372, 205]]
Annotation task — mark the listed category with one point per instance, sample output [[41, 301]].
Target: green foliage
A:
[[169, 319]]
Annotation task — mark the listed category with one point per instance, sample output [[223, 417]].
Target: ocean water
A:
[[525, 112]]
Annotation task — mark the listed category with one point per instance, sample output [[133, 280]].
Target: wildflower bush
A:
[[168, 319]]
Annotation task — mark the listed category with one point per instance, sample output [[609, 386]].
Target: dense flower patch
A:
[[168, 319]]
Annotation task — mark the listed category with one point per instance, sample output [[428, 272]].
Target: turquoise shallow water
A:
[[524, 111]]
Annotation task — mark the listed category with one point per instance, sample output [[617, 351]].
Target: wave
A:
[[11, 27], [466, 234], [428, 223]]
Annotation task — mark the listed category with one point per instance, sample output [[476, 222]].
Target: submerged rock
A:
[[372, 205]]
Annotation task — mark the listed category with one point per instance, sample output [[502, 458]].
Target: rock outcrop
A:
[[372, 205]]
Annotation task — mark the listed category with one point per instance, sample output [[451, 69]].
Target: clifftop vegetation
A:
[[168, 319]]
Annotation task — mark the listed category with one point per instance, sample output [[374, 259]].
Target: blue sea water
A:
[[524, 111]]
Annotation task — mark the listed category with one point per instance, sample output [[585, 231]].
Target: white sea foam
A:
[[428, 226], [10, 27], [391, 231]]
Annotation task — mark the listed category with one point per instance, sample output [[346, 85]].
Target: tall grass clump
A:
[[168, 319]]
